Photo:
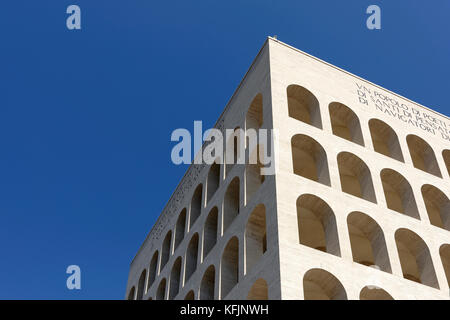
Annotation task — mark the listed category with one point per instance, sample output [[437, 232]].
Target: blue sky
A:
[[86, 116]]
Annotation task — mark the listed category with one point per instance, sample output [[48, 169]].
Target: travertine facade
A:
[[358, 207]]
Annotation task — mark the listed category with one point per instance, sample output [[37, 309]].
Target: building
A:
[[358, 207]]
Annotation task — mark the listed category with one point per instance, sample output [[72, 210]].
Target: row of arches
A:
[[310, 161], [317, 229], [304, 106]]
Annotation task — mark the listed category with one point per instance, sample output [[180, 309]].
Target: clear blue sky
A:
[[86, 116]]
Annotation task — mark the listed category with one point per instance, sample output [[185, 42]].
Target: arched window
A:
[[131, 294], [141, 285], [422, 155], [196, 205], [166, 249], [446, 156], [444, 252], [180, 228], [374, 293], [210, 231], [317, 224], [152, 270], [254, 118], [213, 181], [303, 106], [207, 284], [259, 290], [345, 123], [230, 266], [161, 292], [253, 177], [191, 257], [398, 193], [355, 177], [255, 236], [367, 241], [438, 206], [231, 203], [175, 279], [309, 159], [385, 140], [415, 258], [189, 296], [319, 284]]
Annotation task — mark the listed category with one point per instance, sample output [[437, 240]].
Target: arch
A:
[[191, 257], [196, 205], [444, 252], [345, 123], [355, 177], [374, 293], [422, 155], [166, 249], [319, 284], [213, 180], [303, 106], [180, 228], [398, 193], [446, 156], [131, 294], [415, 258], [317, 224], [309, 159], [190, 295], [253, 177], [255, 237], [367, 241], [141, 285], [259, 290], [161, 292], [229, 266], [254, 117], [385, 140], [231, 203], [210, 231], [438, 206], [152, 270], [234, 149], [207, 284], [174, 280]]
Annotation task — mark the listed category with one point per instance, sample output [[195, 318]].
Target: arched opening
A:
[[191, 257], [422, 155], [446, 156], [319, 284], [253, 177], [259, 290], [152, 270], [175, 274], [180, 228], [141, 285], [207, 284], [231, 203], [189, 296], [398, 193], [438, 206], [213, 180], [345, 123], [303, 106], [309, 159], [166, 249], [317, 224], [367, 241], [254, 117], [234, 149], [444, 252], [415, 258], [230, 266], [161, 292], [374, 293], [355, 177], [385, 140], [131, 294], [196, 205], [210, 231], [255, 237]]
